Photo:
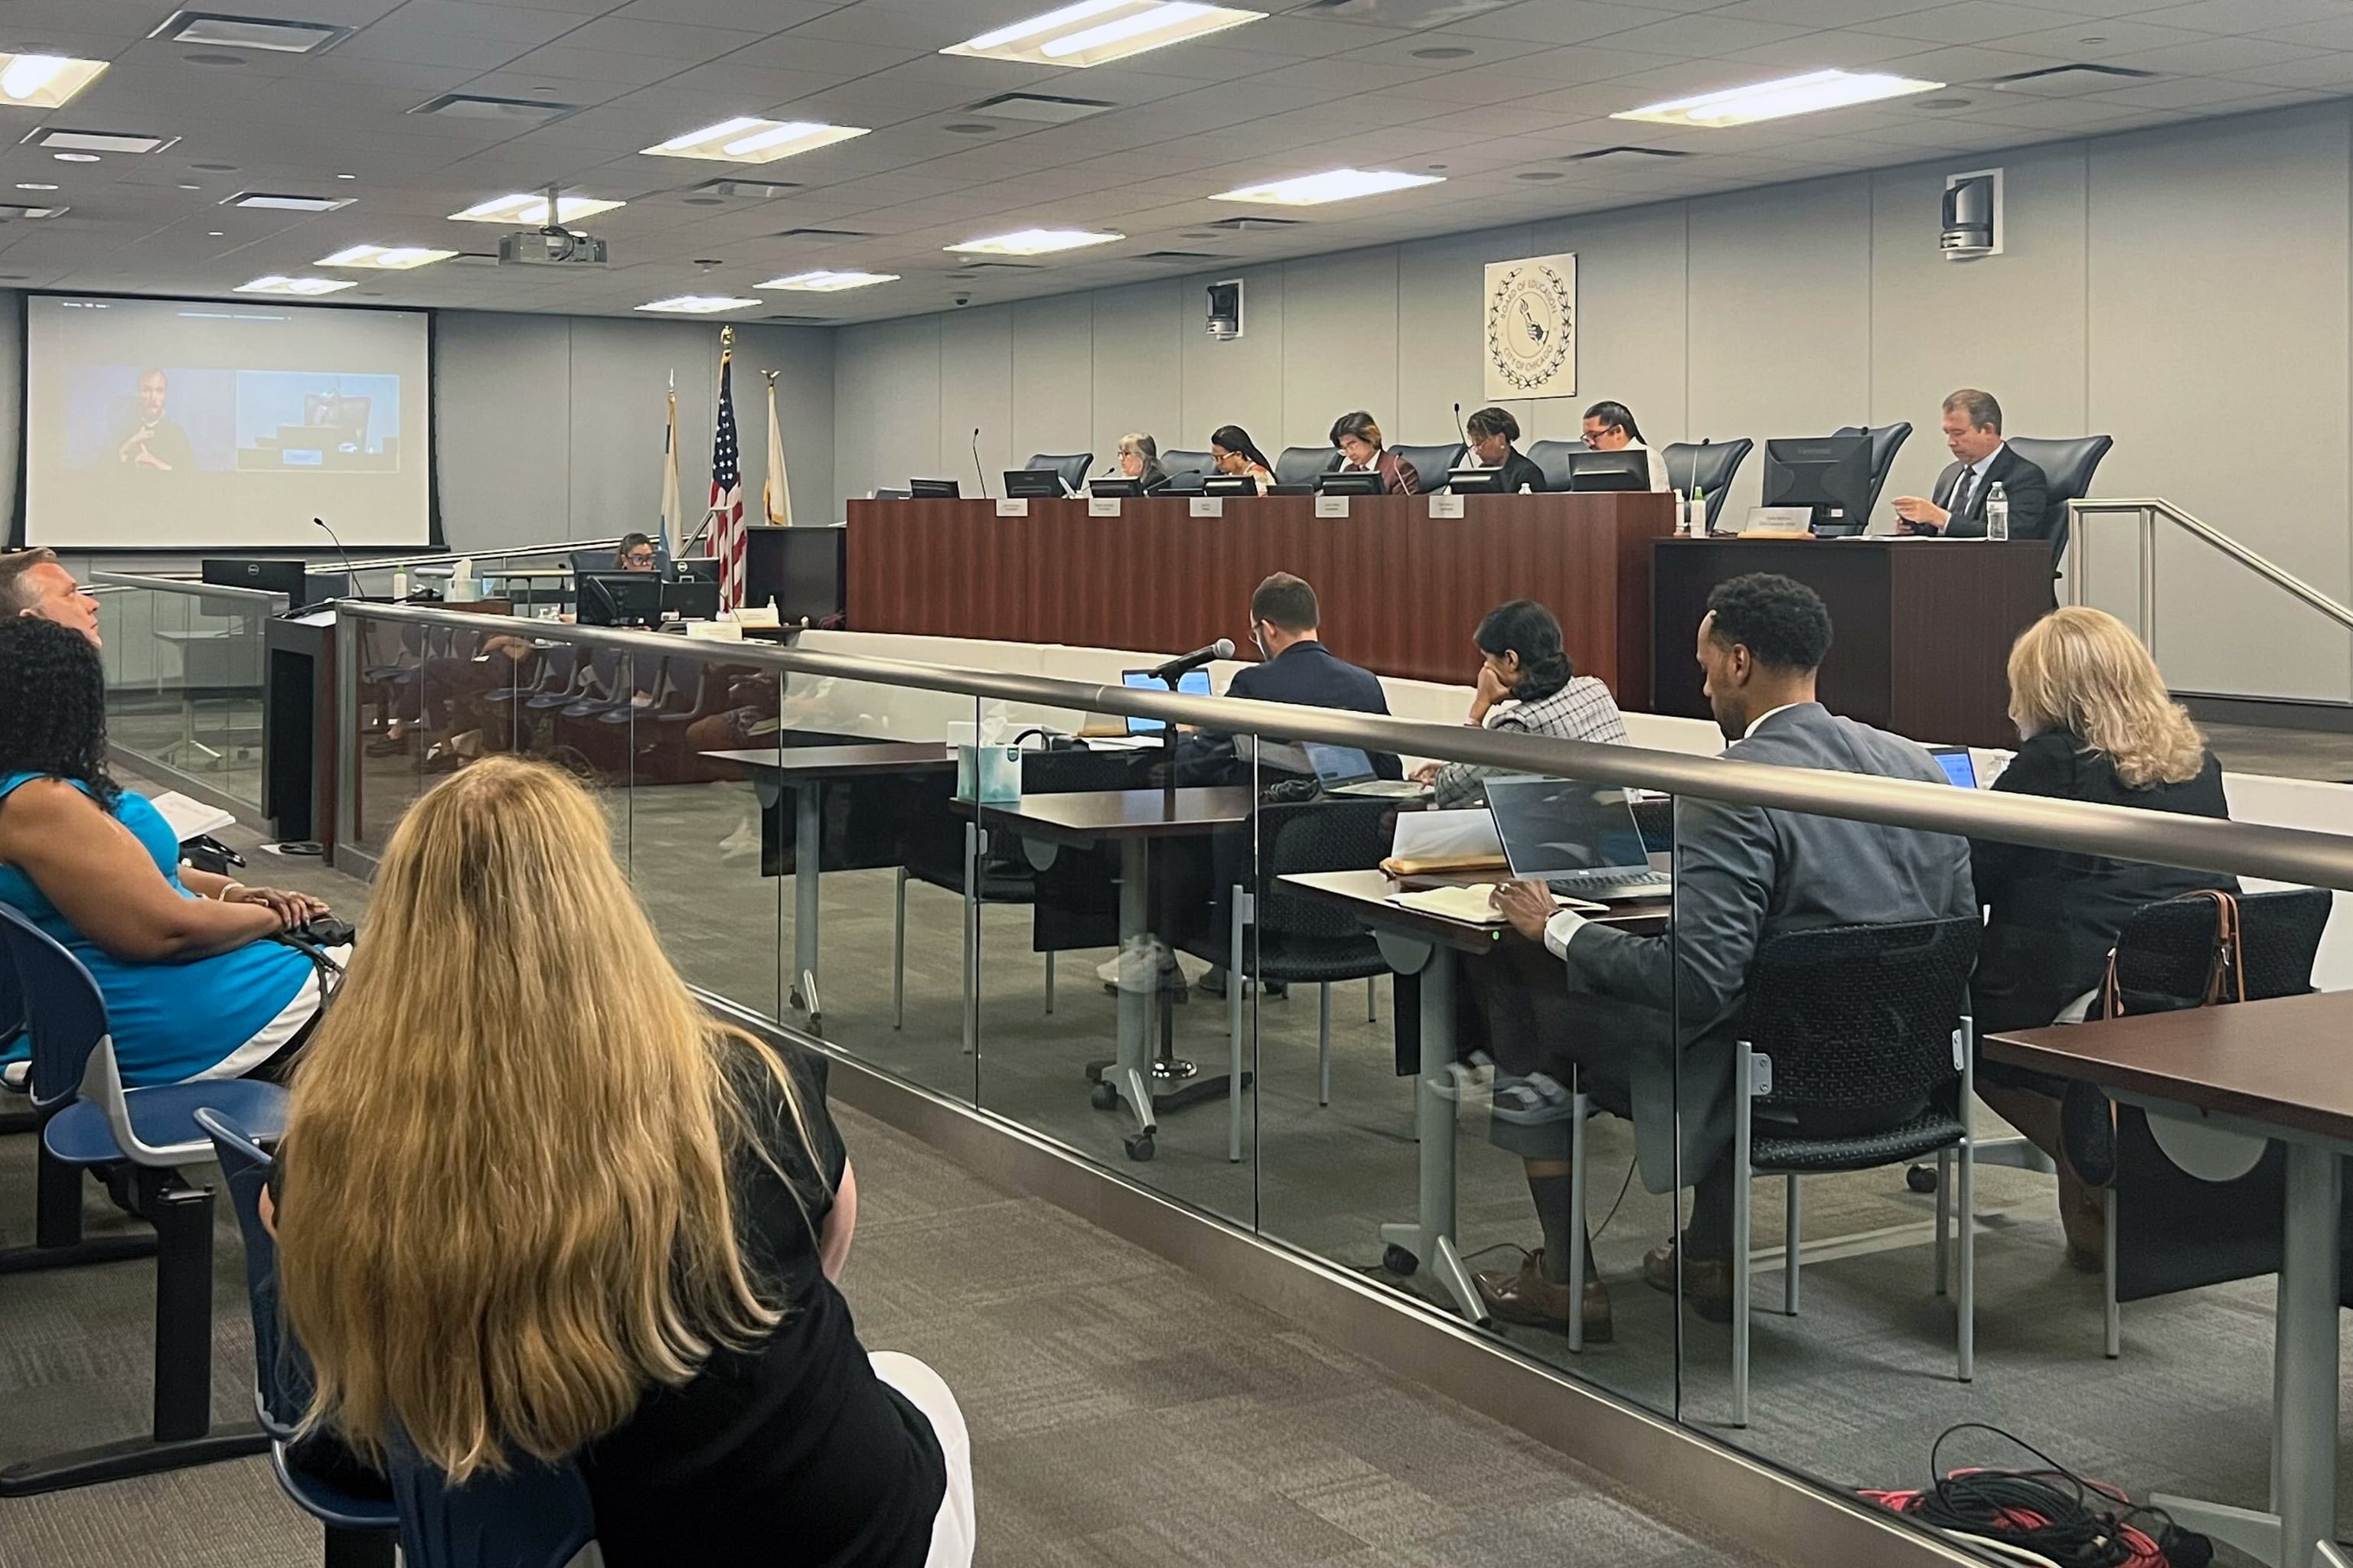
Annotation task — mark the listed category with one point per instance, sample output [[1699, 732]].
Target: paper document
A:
[[1461, 836], [1473, 904], [190, 818]]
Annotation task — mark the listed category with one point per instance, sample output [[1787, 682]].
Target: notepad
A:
[[1472, 903], [189, 818]]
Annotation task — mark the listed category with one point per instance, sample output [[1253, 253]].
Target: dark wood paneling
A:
[[1922, 630], [1402, 591]]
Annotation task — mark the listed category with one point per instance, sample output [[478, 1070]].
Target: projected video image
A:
[[303, 419], [151, 419]]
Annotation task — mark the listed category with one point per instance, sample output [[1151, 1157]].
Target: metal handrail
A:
[[2278, 854], [560, 546], [2149, 509], [188, 586]]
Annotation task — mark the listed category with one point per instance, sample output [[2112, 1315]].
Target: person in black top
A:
[[2097, 725], [1491, 432], [535, 1211]]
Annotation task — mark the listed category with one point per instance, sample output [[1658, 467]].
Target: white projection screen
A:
[[174, 425]]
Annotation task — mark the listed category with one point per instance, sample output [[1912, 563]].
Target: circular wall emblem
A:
[[1531, 325]]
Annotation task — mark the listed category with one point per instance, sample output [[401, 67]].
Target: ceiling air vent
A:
[[1624, 151], [1179, 258], [1044, 107], [1253, 225], [821, 234], [506, 111], [800, 321], [2077, 78], [972, 268]]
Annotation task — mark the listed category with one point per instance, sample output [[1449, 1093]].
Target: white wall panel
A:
[[1053, 377], [1339, 345], [977, 394]]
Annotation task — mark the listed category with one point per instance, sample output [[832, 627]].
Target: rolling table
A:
[[1133, 819], [2274, 1069], [776, 767], [1430, 946]]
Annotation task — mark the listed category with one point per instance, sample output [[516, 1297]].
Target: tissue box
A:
[[989, 775]]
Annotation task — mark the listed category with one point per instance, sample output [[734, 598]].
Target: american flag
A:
[[727, 537]]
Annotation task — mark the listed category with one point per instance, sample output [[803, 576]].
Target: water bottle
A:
[[1997, 513], [1695, 517]]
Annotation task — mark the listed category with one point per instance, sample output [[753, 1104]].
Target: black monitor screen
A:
[[1032, 484], [1115, 487], [813, 563], [1628, 469], [1475, 481], [620, 599], [691, 599], [698, 569], [1229, 485], [1830, 474], [1350, 482], [933, 489], [268, 576]]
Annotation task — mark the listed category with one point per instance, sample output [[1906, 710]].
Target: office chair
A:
[[2067, 468], [1073, 467], [1432, 464], [90, 1120], [1552, 456], [1886, 440], [1709, 465], [1186, 470], [1300, 465]]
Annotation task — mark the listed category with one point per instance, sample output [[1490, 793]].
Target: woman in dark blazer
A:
[[2096, 725]]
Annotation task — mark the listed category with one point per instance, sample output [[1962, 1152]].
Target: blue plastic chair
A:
[[539, 1516], [88, 1120]]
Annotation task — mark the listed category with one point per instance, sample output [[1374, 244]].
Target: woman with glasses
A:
[[1234, 453]]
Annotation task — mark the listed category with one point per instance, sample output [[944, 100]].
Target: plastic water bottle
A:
[[1997, 513]]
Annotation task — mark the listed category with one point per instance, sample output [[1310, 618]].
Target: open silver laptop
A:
[[1578, 839], [1344, 770]]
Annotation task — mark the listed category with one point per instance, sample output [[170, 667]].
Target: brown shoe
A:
[[1529, 1298], [1706, 1285]]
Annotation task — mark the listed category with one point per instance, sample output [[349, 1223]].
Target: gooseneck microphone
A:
[[1459, 433], [1221, 648], [977, 471], [351, 572]]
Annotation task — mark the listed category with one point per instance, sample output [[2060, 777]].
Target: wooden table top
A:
[[1088, 816], [840, 761], [2286, 1062], [1368, 893]]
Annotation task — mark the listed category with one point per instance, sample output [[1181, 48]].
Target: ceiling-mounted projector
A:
[[550, 248]]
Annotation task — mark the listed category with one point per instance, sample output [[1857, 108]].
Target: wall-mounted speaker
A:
[[1972, 226], [1226, 310]]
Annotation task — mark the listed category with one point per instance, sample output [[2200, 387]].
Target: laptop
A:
[[1958, 766], [1344, 770], [1192, 683], [1579, 840]]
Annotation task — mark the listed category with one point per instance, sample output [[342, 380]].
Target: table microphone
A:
[[978, 472], [1459, 433], [351, 572], [1221, 648]]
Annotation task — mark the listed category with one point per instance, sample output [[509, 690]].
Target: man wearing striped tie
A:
[[1981, 459]]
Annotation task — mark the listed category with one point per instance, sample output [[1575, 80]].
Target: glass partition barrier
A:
[[184, 681]]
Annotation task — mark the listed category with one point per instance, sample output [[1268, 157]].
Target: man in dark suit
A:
[[1646, 1020], [1981, 459]]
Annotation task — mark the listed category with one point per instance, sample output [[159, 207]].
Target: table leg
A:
[[808, 831], [1430, 1236], [1139, 982]]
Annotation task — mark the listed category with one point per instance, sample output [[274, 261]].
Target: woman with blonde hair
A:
[[2095, 723], [1139, 459], [535, 1204]]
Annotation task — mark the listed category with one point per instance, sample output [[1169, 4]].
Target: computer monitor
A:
[[620, 599], [1120, 487], [698, 569], [1829, 474], [1628, 469], [1192, 683], [268, 576], [691, 599], [1032, 484], [1229, 485], [1349, 482], [1958, 766], [1475, 481], [933, 489]]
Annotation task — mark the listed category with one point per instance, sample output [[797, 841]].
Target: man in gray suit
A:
[[1647, 1021]]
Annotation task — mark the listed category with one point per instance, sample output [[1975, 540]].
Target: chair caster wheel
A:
[[1102, 1097], [1139, 1147], [1921, 1178], [1398, 1261]]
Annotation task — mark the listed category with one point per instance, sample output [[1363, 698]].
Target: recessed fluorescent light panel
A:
[[1778, 100], [698, 304], [1034, 242], [533, 209], [271, 33], [1096, 32], [1333, 185], [747, 139], [385, 258], [44, 81], [825, 282], [98, 141], [277, 283], [279, 201], [10, 211]]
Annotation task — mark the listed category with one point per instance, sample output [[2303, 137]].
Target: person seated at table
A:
[[1527, 685], [193, 986], [1233, 452], [1491, 432], [1359, 440], [1644, 1022], [1611, 427], [637, 553], [32, 582], [1139, 459], [524, 1212], [2095, 723]]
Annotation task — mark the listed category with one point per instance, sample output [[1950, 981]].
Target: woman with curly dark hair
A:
[[193, 988]]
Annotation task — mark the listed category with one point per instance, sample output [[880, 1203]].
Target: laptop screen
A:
[[1339, 764], [1958, 766], [1192, 683], [1551, 827]]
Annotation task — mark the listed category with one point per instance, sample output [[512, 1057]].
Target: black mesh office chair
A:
[[1552, 456], [1886, 440], [1710, 465], [2067, 468], [1300, 465], [1071, 466], [1185, 470], [1431, 463]]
